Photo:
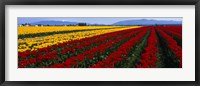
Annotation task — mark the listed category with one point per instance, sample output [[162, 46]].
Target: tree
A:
[[82, 24]]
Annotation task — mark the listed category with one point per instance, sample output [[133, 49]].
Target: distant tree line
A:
[[85, 24], [79, 24]]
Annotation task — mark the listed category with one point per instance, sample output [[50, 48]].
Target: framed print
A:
[[109, 42]]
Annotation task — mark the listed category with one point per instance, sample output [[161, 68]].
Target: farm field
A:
[[100, 46]]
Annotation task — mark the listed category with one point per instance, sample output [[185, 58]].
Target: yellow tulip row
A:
[[42, 29], [44, 41]]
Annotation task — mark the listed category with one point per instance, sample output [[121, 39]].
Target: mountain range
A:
[[148, 22], [125, 22]]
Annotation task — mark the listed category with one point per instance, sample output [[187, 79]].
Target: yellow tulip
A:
[[44, 41]]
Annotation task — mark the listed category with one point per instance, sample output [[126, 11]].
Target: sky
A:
[[91, 20]]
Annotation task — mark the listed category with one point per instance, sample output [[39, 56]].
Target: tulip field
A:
[[99, 46]]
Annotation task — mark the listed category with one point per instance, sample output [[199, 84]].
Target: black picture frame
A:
[[99, 2]]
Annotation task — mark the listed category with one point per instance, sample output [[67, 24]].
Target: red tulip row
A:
[[120, 53], [173, 32], [73, 61], [172, 44], [148, 58], [177, 29], [39, 59]]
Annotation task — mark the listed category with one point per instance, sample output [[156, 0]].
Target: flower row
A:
[[148, 58], [172, 44]]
